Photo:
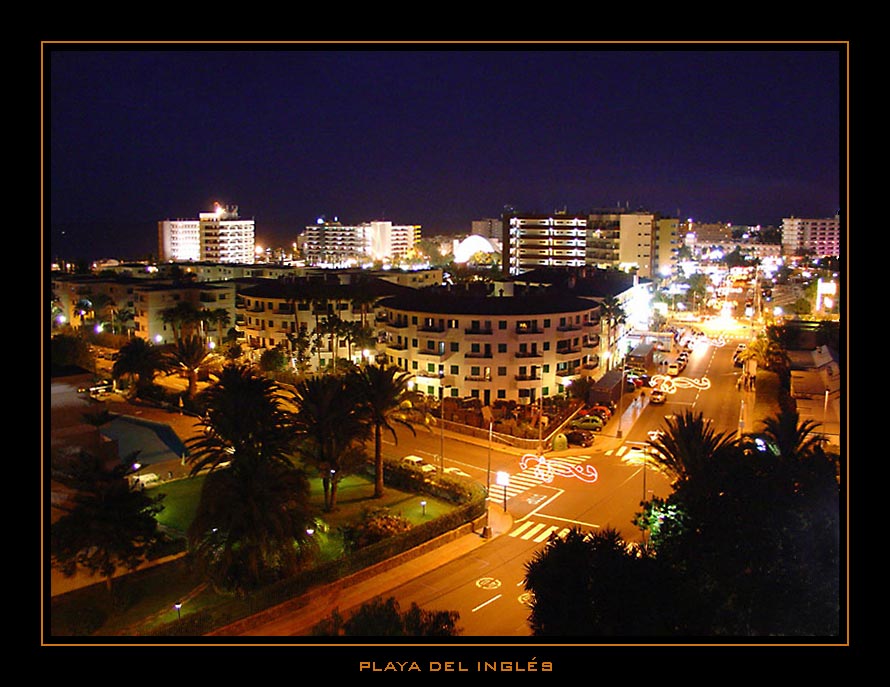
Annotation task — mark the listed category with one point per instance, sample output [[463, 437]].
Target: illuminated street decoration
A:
[[669, 385], [545, 470]]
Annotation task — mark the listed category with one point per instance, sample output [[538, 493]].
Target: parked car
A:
[[603, 411], [103, 386], [589, 422], [673, 369], [456, 471], [580, 437], [418, 463]]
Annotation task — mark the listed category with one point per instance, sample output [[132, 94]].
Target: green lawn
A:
[[148, 597]]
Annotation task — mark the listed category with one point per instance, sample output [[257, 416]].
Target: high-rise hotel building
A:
[[218, 236], [641, 241], [333, 243], [818, 237]]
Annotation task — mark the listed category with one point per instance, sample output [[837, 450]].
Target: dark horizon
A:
[[435, 137]]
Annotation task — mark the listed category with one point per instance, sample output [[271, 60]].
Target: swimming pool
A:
[[155, 441]]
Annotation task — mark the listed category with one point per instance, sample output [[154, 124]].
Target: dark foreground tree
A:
[[385, 618], [594, 585], [108, 525], [747, 545]]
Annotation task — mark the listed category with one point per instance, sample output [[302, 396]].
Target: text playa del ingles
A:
[[532, 666]]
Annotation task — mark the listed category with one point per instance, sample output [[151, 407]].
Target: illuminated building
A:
[[818, 237], [336, 244], [511, 347], [218, 236]]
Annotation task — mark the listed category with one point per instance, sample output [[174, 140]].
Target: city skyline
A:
[[433, 135]]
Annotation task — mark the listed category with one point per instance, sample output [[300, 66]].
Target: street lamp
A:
[[178, 606], [503, 478], [442, 387]]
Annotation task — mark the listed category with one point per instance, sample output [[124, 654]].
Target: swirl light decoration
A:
[[669, 385], [545, 470]]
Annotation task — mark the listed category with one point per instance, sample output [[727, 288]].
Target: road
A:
[[589, 489]]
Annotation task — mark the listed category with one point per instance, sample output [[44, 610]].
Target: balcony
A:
[[528, 330], [528, 354], [528, 378], [478, 354], [568, 351], [478, 332]]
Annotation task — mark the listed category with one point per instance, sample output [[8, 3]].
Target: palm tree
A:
[[221, 318], [182, 315], [252, 526], [385, 393], [107, 524], [139, 360], [329, 423], [245, 423], [687, 445], [191, 353], [252, 520], [792, 437]]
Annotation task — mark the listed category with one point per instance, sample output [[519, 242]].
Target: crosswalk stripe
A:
[[534, 530], [529, 530], [519, 530]]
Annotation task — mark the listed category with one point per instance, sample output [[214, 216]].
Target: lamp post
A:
[[442, 387], [503, 478], [486, 413], [178, 607]]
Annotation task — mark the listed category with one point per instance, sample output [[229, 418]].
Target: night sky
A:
[[432, 135]]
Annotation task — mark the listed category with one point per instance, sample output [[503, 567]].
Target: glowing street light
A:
[[503, 479]]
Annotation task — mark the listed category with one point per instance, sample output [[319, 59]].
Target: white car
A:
[[456, 471], [417, 462]]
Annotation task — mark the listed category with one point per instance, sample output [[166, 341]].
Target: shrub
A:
[[374, 525]]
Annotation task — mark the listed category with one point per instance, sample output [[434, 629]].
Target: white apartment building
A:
[[492, 348], [340, 245], [818, 237], [217, 236], [643, 241], [539, 241], [136, 305], [152, 299], [271, 312]]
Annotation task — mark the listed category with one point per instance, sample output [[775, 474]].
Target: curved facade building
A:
[[493, 348]]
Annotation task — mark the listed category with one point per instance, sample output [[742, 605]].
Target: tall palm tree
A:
[[328, 424], [252, 520], [385, 393], [221, 318], [141, 361], [686, 446]]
